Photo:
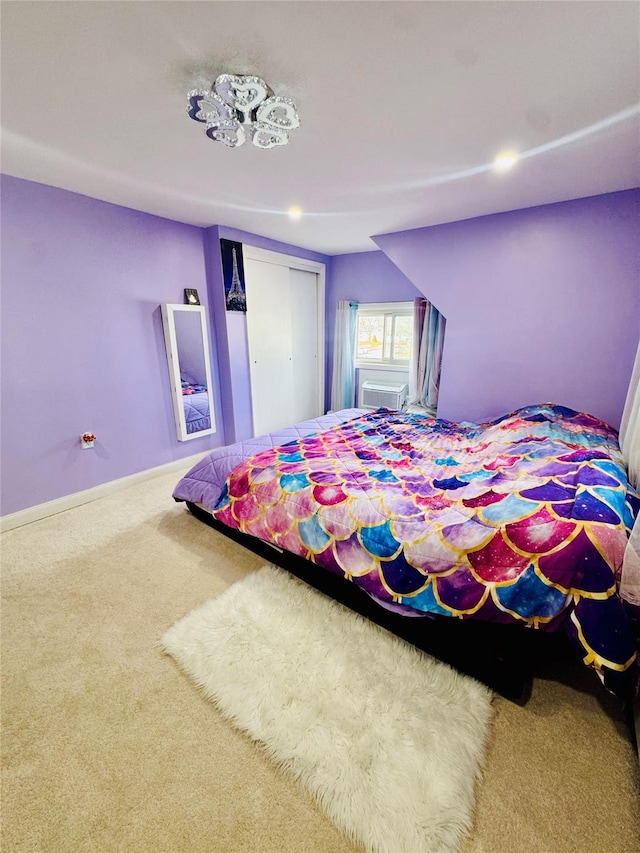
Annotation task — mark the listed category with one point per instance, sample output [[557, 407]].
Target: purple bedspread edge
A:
[[203, 483]]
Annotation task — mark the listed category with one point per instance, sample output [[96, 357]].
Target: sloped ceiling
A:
[[542, 305]]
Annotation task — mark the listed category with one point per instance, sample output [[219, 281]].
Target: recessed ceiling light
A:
[[294, 213], [505, 161]]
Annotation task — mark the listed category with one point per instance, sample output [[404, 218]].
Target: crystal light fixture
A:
[[238, 108]]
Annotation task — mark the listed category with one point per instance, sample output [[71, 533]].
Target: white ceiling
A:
[[403, 106]]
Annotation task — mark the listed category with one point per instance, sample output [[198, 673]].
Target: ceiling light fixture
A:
[[505, 161], [294, 213], [238, 108]]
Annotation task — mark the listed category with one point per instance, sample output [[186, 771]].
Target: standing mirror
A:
[[187, 342]]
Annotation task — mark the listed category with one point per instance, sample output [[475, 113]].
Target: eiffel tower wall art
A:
[[233, 272]]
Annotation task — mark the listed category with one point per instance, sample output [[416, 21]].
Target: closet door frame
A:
[[268, 257]]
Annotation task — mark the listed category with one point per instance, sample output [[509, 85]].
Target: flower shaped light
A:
[[238, 108]]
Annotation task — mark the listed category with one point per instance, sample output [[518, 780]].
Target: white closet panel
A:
[[304, 331], [282, 329]]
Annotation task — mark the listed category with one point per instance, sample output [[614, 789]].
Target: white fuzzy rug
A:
[[389, 741]]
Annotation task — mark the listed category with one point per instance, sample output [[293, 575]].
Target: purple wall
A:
[[362, 277], [82, 340], [83, 346], [542, 304]]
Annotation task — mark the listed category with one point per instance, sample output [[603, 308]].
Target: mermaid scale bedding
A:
[[522, 519]]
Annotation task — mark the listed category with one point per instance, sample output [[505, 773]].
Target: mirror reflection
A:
[[188, 359], [193, 373]]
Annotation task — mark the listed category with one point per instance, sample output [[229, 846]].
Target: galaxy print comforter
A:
[[522, 519]]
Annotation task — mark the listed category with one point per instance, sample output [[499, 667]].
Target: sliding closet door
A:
[[304, 338], [270, 352], [282, 328]]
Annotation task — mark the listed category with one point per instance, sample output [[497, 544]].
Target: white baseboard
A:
[[35, 513]]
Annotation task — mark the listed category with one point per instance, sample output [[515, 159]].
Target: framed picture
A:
[[191, 296], [233, 272]]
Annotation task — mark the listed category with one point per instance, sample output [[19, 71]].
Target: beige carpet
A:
[[107, 747]]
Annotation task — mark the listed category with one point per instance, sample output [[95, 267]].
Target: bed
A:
[[195, 400], [519, 521]]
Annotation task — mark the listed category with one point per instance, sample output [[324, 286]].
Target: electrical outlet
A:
[[87, 439]]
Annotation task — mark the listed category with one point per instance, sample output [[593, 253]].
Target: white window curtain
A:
[[343, 381], [630, 446], [630, 426], [426, 358]]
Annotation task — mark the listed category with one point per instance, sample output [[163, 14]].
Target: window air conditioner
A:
[[388, 394]]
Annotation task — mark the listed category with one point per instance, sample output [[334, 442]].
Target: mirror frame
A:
[[168, 322]]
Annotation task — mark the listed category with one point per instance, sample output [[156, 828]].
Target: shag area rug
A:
[[388, 740]]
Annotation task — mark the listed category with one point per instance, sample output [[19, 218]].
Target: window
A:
[[384, 333]]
